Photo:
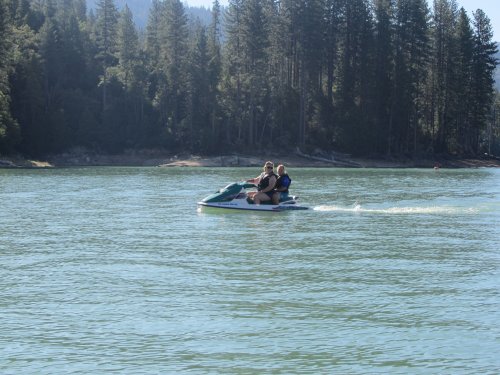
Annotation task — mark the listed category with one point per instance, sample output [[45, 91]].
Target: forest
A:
[[366, 77]]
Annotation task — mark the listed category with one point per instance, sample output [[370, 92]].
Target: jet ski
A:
[[235, 196]]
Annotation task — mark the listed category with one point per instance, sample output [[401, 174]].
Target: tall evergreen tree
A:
[[411, 57], [106, 40], [331, 30], [199, 94], [354, 71], [80, 7], [155, 78], [304, 24], [20, 12], [233, 69], [28, 88], [484, 64], [174, 53], [132, 76], [445, 20], [52, 56], [4, 42], [153, 44], [214, 72], [128, 46], [255, 40], [384, 67], [8, 126], [463, 85], [277, 112], [310, 50]]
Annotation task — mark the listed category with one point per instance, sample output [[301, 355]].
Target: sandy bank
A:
[[297, 159]]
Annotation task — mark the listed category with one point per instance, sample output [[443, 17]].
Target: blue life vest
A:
[[283, 181]]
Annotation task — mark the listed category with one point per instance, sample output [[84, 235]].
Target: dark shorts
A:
[[270, 194]]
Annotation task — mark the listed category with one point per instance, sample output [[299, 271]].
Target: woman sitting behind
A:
[[282, 184]]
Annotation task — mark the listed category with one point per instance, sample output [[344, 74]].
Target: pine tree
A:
[[310, 51], [153, 45], [81, 9], [354, 73], [51, 51], [36, 14], [199, 93], [484, 64], [463, 84], [9, 131], [34, 84], [233, 69], [304, 28], [132, 75], [411, 62], [332, 14], [255, 40], [174, 52], [19, 12], [5, 45], [214, 72], [445, 19], [384, 67], [275, 128], [128, 46], [106, 37]]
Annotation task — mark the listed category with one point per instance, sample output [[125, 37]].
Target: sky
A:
[[490, 7]]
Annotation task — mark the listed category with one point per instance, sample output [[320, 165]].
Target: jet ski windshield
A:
[[228, 193], [236, 185]]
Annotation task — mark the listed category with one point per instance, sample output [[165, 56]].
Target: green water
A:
[[115, 270]]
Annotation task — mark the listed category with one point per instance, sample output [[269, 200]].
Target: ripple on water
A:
[[115, 270]]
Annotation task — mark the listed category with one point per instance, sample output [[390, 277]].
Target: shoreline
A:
[[292, 160]]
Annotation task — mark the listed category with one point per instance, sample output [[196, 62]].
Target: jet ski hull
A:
[[235, 197], [253, 207]]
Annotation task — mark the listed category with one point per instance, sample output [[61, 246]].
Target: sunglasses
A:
[[269, 167]]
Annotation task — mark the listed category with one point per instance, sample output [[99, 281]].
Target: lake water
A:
[[115, 270]]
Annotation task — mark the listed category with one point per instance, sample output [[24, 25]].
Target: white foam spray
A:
[[429, 210]]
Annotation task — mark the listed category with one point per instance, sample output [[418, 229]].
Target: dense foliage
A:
[[362, 76]]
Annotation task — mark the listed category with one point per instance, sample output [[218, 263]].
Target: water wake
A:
[[430, 210]]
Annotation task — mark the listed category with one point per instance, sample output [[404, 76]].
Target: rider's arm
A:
[[254, 180]]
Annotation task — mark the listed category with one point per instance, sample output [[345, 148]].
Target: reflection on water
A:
[[117, 270]]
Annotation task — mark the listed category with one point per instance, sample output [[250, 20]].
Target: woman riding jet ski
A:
[[265, 184], [236, 196]]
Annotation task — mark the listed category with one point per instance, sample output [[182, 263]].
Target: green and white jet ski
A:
[[234, 196]]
